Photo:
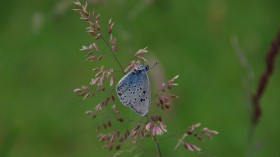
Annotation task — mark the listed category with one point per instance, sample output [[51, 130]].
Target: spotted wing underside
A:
[[133, 90]]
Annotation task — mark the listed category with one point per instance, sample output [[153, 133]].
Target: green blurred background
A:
[[40, 65]]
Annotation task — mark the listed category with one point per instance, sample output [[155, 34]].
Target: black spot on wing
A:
[[141, 100]]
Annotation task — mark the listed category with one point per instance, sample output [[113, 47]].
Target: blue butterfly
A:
[[133, 90]]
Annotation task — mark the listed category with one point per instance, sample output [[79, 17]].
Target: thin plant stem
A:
[[270, 61], [180, 141], [157, 145], [113, 53], [156, 141]]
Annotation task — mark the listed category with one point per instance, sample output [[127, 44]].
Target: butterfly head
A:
[[143, 67]]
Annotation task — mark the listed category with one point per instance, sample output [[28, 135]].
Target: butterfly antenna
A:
[[154, 65]]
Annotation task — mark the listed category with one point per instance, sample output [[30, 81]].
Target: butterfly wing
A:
[[134, 91]]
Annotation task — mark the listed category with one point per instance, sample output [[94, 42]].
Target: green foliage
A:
[[40, 66]]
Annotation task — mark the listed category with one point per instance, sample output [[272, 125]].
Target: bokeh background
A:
[[40, 65]]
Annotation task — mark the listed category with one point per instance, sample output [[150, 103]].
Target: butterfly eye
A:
[[147, 67]]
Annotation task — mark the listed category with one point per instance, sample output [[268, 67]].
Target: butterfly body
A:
[[133, 90]]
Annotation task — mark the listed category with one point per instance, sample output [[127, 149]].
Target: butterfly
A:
[[133, 90]]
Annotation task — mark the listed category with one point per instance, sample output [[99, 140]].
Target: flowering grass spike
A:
[[114, 128]]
